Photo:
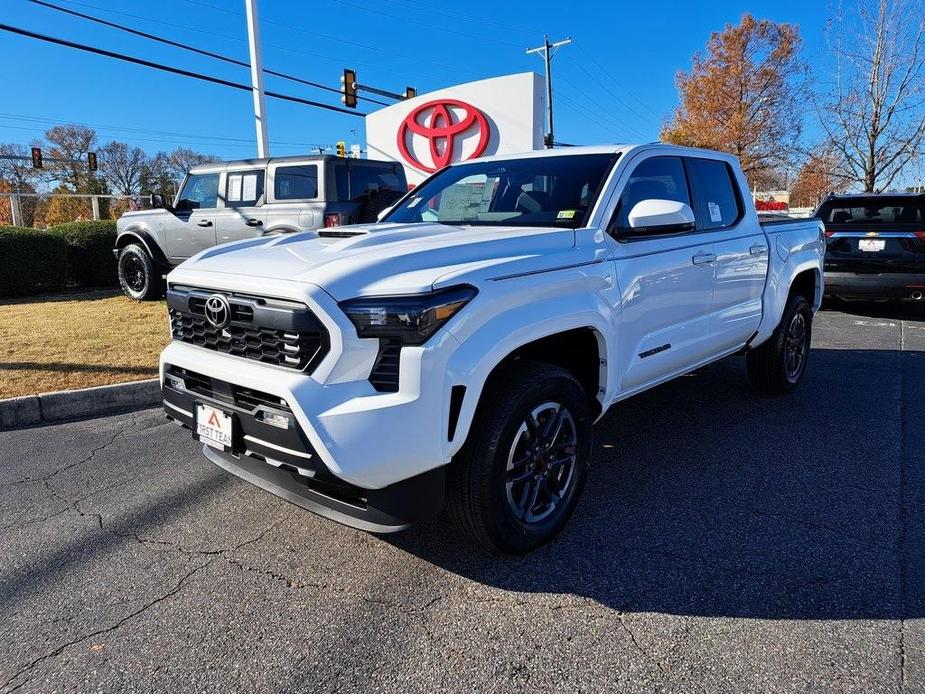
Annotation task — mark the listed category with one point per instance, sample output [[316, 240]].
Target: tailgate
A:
[[854, 249]]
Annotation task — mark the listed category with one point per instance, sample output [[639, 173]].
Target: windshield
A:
[[873, 210], [533, 191]]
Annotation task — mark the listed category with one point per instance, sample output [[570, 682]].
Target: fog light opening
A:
[[280, 421]]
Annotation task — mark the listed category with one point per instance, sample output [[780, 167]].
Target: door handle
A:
[[254, 222], [204, 222], [758, 249], [703, 258]]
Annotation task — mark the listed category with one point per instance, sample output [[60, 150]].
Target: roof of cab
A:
[[260, 163], [620, 149]]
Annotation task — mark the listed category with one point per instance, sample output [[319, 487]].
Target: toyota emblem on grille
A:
[[218, 312]]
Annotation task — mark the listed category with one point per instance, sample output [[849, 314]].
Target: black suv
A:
[[875, 245]]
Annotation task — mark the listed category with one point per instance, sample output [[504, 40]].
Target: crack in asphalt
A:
[[60, 649], [213, 555], [85, 459]]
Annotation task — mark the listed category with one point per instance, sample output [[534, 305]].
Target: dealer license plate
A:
[[214, 427], [871, 245]]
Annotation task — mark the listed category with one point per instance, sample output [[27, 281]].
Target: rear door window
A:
[[716, 204], [296, 182], [243, 188]]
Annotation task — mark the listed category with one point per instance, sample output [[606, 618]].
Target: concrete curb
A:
[[30, 410]]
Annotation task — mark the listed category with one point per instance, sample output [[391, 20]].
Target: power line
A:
[[416, 57], [192, 49], [205, 32], [588, 116], [589, 104], [145, 131], [212, 146], [169, 68], [615, 81]]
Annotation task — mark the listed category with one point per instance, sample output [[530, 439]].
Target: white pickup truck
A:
[[458, 352]]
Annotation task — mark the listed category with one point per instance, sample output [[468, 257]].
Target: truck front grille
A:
[[278, 332]]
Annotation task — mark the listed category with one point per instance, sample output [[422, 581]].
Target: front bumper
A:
[[885, 285], [283, 462]]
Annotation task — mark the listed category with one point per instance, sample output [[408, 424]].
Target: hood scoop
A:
[[339, 233]]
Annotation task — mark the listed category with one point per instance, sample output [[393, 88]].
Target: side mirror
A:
[[660, 217], [383, 213], [158, 202]]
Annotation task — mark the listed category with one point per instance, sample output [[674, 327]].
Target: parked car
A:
[[230, 201], [459, 351], [875, 245]]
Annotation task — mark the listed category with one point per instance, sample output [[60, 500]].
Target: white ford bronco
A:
[[457, 353]]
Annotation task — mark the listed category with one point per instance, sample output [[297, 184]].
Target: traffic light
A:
[[341, 148], [410, 92], [91, 161], [348, 84], [36, 157]]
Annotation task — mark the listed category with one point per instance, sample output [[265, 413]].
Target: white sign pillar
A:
[[260, 111]]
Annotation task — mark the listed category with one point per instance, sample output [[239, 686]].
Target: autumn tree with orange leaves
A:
[[742, 96], [816, 178]]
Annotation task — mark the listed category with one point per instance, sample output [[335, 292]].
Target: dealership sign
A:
[[501, 115]]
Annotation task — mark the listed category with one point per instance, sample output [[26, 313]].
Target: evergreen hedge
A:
[[38, 261]]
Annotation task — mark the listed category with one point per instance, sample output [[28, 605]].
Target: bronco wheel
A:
[[518, 479], [138, 277], [777, 366]]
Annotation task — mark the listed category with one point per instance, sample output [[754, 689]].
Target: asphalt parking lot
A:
[[725, 542]]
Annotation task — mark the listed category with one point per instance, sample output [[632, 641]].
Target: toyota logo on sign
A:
[[217, 310], [439, 123]]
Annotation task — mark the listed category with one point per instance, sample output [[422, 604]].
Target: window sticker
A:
[[566, 214], [250, 187], [715, 213], [414, 202], [234, 188]]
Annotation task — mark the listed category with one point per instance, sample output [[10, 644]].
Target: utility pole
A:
[[260, 110], [549, 50]]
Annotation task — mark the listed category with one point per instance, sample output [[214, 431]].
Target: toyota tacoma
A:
[[456, 353]]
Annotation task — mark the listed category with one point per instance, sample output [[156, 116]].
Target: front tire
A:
[[777, 366], [517, 481], [138, 275]]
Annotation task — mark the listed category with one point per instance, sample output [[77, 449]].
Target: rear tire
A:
[[517, 481], [138, 275], [777, 366]]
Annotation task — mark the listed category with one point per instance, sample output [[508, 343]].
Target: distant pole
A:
[[260, 110], [549, 50], [15, 211]]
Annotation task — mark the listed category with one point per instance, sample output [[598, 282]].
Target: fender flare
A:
[[142, 236], [775, 297], [520, 329]]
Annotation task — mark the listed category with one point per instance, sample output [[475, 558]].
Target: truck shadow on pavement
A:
[[705, 499]]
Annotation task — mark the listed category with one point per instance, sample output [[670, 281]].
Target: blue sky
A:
[[633, 48]]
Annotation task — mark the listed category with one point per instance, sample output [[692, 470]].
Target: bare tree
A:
[[123, 167], [874, 112], [183, 159], [18, 172], [72, 143]]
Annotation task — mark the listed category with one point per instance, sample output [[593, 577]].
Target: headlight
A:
[[412, 318]]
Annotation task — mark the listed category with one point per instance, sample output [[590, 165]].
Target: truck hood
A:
[[389, 258]]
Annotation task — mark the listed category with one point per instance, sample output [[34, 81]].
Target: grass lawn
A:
[[78, 340]]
